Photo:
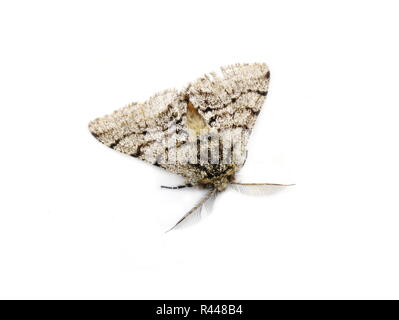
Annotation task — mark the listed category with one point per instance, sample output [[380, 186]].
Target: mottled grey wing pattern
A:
[[139, 128], [232, 100], [213, 103]]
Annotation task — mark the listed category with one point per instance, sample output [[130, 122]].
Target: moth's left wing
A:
[[232, 99], [230, 103]]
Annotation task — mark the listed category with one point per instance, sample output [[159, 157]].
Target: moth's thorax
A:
[[217, 177], [220, 184]]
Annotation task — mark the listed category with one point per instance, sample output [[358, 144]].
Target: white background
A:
[[79, 220]]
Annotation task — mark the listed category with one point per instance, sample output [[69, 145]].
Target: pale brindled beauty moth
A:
[[200, 132]]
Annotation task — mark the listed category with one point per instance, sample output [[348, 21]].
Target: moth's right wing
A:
[[141, 129]]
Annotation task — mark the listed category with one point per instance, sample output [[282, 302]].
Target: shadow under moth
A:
[[200, 132]]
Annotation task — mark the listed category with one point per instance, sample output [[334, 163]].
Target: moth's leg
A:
[[189, 185]]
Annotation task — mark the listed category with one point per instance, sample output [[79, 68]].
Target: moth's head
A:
[[219, 178]]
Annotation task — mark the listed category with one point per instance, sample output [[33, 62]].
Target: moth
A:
[[200, 132]]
